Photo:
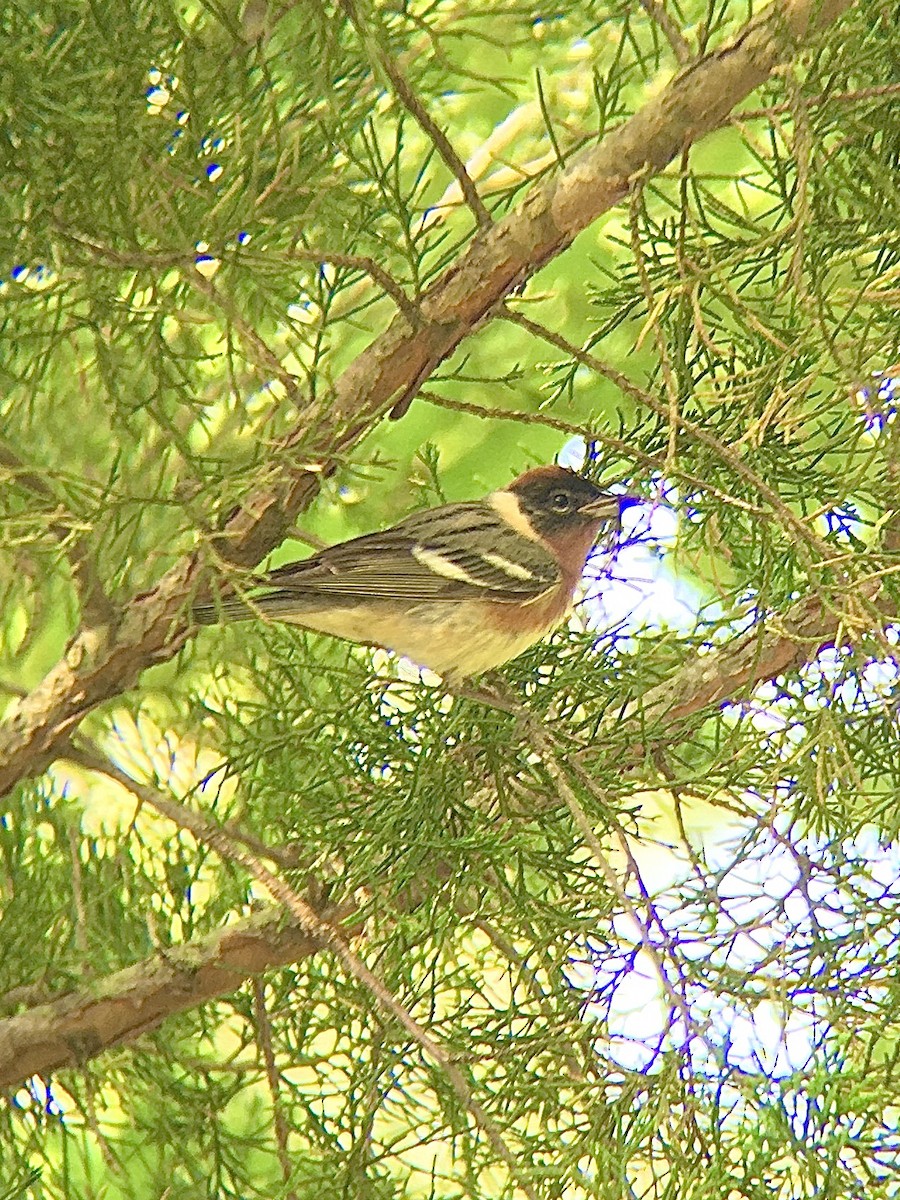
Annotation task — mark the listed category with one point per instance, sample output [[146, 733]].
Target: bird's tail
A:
[[225, 610], [279, 605]]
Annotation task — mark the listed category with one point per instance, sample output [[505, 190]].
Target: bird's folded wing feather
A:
[[457, 552]]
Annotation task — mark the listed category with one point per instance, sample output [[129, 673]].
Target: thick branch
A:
[[323, 933], [121, 1007], [759, 656], [496, 261]]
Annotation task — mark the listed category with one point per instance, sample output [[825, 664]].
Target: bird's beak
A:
[[607, 506]]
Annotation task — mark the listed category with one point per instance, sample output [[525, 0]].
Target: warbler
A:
[[461, 588]]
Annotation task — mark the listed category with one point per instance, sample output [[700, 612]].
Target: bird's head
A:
[[560, 503]]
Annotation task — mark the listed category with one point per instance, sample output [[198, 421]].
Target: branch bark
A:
[[100, 664], [758, 657], [119, 1008]]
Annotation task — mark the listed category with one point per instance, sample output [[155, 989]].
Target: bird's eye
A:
[[560, 502]]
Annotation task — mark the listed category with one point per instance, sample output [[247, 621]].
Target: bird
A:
[[461, 588]]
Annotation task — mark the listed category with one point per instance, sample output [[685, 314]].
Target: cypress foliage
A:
[[280, 918]]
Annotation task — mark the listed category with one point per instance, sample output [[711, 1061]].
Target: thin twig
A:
[[438, 138], [548, 124], [590, 435], [654, 307], [186, 260], [287, 856], [81, 922], [361, 262], [871, 93], [89, 1108], [505, 947], [264, 1036], [421, 116], [803, 150], [590, 784], [132, 259], [555, 770], [656, 10], [96, 607], [256, 348]]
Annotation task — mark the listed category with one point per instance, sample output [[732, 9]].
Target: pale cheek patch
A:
[[445, 567], [513, 569], [507, 505]]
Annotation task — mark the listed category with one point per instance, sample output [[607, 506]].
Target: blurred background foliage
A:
[[179, 180]]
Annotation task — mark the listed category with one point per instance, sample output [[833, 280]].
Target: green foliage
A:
[[712, 1009]]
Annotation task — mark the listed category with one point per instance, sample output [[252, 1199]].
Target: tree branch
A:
[[656, 10], [761, 655], [128, 1003], [494, 263], [323, 933]]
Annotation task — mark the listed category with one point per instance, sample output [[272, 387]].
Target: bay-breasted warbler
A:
[[461, 588]]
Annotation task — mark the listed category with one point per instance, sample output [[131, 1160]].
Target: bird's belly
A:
[[449, 638]]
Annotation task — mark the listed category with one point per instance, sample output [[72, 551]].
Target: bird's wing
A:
[[456, 552]]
